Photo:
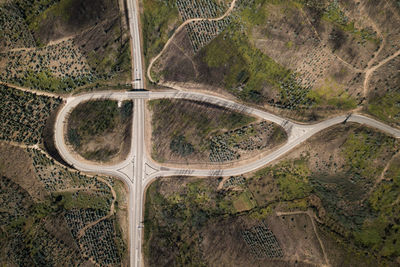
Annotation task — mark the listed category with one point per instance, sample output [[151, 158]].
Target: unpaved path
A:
[[381, 177], [371, 70], [111, 212], [112, 208], [37, 92], [311, 215], [57, 41], [154, 59]]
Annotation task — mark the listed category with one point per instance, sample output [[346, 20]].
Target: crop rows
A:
[[98, 241], [13, 29], [49, 245], [227, 147], [77, 219], [36, 68], [23, 115], [56, 178], [262, 242], [99, 244], [189, 9], [16, 207], [293, 95], [14, 204], [203, 32], [233, 181]]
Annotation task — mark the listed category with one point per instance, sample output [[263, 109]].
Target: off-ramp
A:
[[137, 171]]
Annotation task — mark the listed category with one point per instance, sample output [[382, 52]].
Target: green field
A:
[[157, 20]]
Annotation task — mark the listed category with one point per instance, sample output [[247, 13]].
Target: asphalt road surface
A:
[[137, 171]]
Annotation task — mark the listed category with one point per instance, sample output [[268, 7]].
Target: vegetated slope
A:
[[61, 45], [384, 96], [185, 131], [295, 55], [101, 130], [47, 211], [160, 19], [335, 200], [23, 115]]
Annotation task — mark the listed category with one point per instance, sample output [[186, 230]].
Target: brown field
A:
[[318, 202], [333, 48], [48, 213], [193, 132]]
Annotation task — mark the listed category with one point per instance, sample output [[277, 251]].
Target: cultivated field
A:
[[306, 58], [334, 195], [186, 131], [49, 212], [54, 46], [23, 115]]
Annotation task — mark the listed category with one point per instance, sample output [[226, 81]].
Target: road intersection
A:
[[138, 171]]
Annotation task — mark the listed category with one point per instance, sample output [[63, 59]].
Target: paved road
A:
[[136, 195], [137, 171]]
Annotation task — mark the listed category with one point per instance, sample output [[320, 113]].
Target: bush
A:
[[180, 146]]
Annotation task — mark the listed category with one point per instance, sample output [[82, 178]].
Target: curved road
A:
[[137, 171]]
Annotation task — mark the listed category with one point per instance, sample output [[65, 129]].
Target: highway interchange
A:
[[138, 171]]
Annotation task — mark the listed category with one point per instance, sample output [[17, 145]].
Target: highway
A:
[[137, 171]]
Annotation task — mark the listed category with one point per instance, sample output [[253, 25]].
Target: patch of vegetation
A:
[[24, 115], [159, 20], [365, 146], [31, 9], [46, 81], [58, 8], [102, 118], [286, 181], [329, 95], [386, 107], [83, 200], [247, 69], [112, 62], [249, 73], [380, 234], [170, 236], [24, 220], [186, 126], [43, 228], [180, 146], [335, 15]]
